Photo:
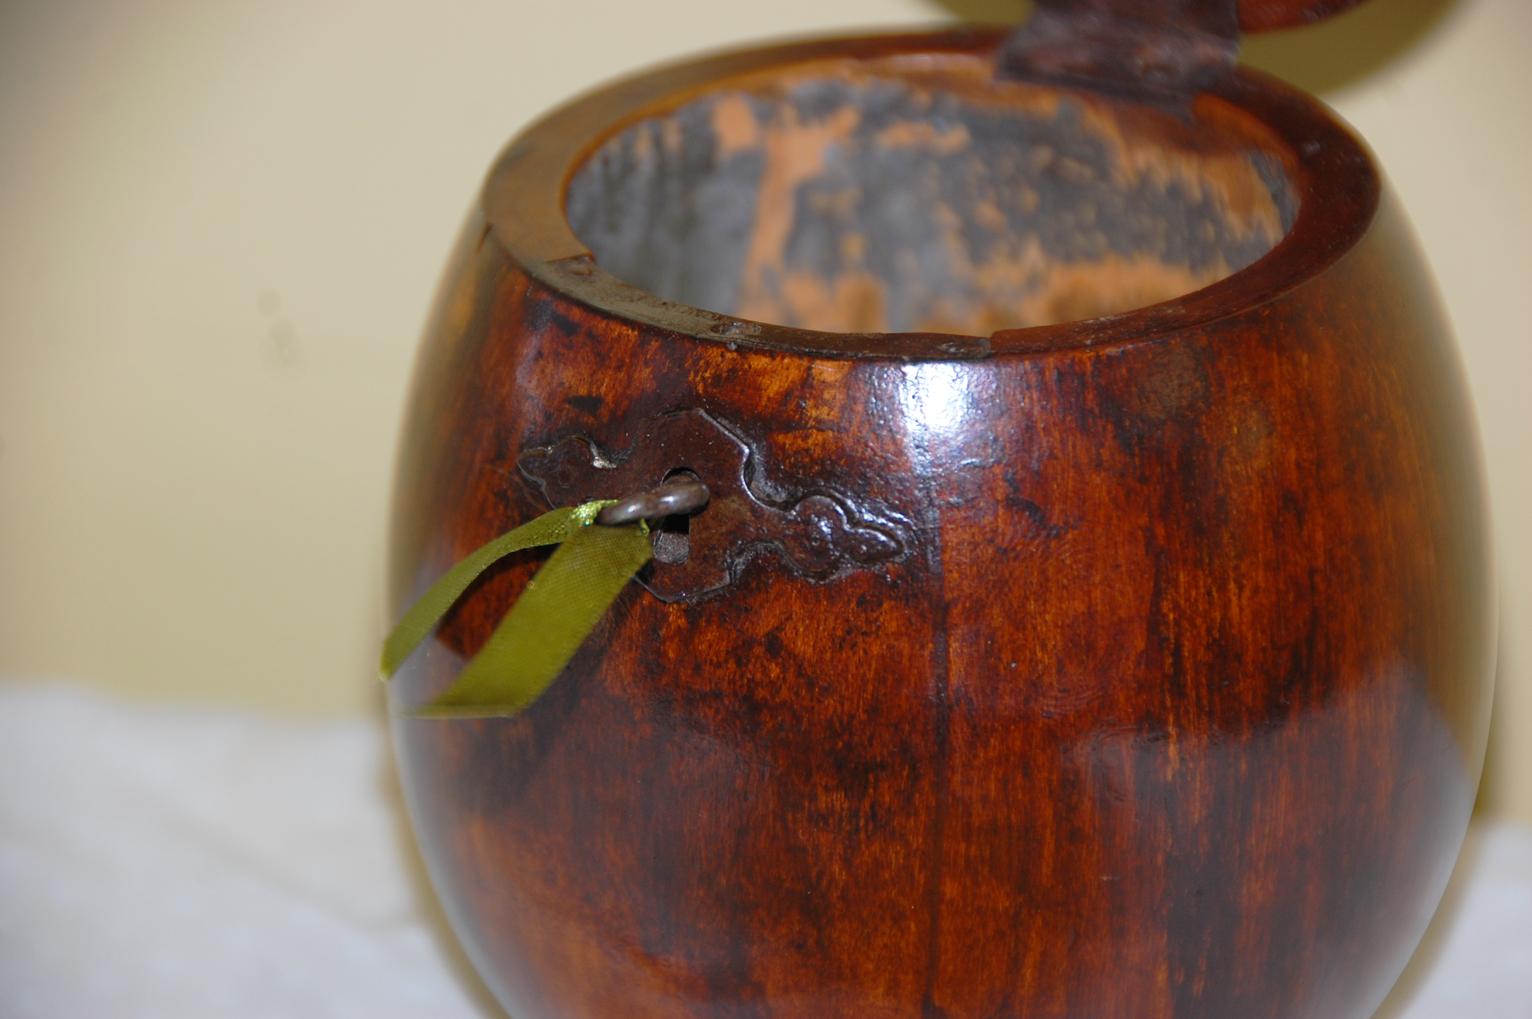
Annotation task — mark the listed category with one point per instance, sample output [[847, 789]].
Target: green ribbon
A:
[[542, 631]]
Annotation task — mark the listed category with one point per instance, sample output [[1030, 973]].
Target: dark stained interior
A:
[[865, 200]]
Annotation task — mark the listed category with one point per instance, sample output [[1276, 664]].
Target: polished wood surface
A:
[[1174, 708]]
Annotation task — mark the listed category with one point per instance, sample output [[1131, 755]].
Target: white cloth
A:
[[167, 861]]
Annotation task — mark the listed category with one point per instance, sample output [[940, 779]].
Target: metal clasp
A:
[[669, 499]]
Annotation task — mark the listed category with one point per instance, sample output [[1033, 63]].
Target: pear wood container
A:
[[1091, 617]]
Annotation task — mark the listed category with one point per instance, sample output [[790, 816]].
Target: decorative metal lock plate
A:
[[817, 534]]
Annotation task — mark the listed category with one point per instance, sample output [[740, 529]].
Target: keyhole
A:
[[672, 535]]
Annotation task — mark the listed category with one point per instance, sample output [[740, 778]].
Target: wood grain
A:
[[1176, 709]]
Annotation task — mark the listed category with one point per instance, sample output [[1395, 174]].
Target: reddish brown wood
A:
[[820, 535], [1175, 709], [1263, 15], [1148, 50]]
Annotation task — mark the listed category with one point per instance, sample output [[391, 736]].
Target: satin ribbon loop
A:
[[547, 624]]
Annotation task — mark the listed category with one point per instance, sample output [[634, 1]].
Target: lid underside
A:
[[1261, 15]]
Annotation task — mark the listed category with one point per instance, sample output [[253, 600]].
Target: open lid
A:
[[1262, 15], [1156, 50]]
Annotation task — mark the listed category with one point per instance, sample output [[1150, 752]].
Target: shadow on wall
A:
[[1318, 58], [1493, 783]]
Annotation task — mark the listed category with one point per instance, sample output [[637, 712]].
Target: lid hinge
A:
[[1158, 51]]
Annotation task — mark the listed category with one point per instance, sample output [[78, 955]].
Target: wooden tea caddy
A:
[[1090, 613]]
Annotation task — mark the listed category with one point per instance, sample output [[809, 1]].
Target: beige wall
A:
[[220, 227]]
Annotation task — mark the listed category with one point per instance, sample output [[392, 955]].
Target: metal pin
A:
[[669, 499]]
